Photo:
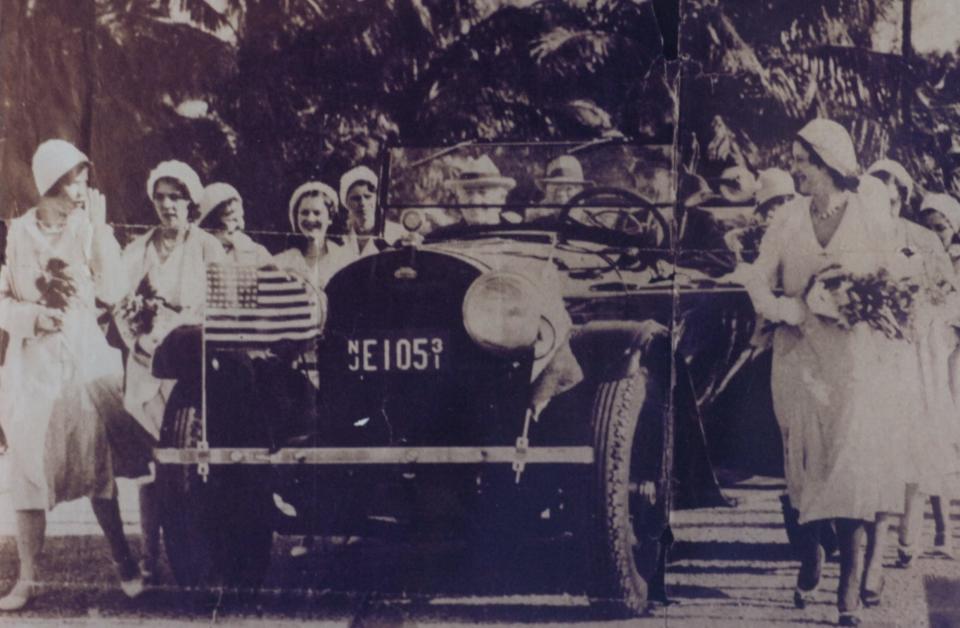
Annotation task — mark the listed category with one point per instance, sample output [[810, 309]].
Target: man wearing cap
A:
[[221, 212], [481, 191], [358, 196], [563, 180]]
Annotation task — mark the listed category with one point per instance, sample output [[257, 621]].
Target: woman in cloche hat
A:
[[169, 260], [61, 389], [837, 408], [312, 208], [221, 211]]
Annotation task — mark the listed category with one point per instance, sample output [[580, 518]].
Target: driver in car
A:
[[481, 191], [564, 180]]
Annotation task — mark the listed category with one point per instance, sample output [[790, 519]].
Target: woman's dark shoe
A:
[[904, 556], [801, 598], [148, 571], [849, 619], [872, 598]]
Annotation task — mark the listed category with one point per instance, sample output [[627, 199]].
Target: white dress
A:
[[933, 429], [181, 280], [838, 394], [59, 390]]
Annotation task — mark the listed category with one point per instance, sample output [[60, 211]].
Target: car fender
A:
[[611, 350]]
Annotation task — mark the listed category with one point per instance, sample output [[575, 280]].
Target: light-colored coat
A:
[[56, 386]]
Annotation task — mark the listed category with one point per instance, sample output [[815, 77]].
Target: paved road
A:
[[730, 567]]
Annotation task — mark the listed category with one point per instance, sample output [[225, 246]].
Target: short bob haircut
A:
[[214, 219], [846, 184], [193, 209]]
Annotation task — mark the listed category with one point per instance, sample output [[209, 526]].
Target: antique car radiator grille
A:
[[396, 364]]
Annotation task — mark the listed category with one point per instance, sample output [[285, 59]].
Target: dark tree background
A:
[[268, 93], [755, 71]]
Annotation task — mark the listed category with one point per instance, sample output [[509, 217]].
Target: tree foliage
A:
[[768, 67], [268, 93]]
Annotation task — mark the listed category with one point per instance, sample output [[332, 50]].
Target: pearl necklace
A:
[[830, 212]]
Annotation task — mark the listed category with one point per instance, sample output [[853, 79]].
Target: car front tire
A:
[[633, 448], [216, 533]]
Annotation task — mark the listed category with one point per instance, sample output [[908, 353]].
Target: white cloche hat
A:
[[215, 194], [178, 171], [52, 160], [833, 145], [360, 174]]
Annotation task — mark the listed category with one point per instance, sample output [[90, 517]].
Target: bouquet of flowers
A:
[[877, 299], [56, 285], [137, 313]]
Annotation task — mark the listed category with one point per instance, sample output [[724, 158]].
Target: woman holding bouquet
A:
[[167, 263], [835, 394], [61, 393]]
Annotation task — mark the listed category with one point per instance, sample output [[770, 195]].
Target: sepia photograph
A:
[[480, 312]]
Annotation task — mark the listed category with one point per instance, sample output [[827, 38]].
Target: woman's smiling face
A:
[[313, 216], [808, 176], [171, 204]]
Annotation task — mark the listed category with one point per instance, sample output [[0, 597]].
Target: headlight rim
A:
[[529, 293]]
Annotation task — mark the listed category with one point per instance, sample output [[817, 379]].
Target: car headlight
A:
[[501, 313]]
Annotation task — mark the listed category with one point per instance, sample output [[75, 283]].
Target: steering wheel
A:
[[629, 213]]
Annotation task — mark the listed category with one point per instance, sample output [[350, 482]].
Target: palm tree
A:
[[807, 59]]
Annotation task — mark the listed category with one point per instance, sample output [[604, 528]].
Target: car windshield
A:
[[611, 184]]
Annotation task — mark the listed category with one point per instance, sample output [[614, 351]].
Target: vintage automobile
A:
[[533, 376]]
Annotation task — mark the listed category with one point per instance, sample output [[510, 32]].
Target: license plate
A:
[[390, 353]]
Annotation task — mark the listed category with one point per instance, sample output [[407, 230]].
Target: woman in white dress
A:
[[171, 259], [61, 391], [834, 394], [312, 207], [930, 434]]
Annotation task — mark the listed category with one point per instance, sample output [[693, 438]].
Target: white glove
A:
[[732, 240], [821, 302], [96, 207], [792, 311]]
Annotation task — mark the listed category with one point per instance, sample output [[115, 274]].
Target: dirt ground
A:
[[730, 567]]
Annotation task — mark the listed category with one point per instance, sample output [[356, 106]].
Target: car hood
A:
[[584, 269]]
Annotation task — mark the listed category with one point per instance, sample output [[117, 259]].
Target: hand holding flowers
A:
[[882, 302]]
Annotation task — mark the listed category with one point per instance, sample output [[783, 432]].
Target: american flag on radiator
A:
[[252, 305]]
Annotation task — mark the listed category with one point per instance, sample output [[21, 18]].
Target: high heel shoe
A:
[[904, 556], [801, 597], [872, 598], [18, 597], [849, 619], [131, 582]]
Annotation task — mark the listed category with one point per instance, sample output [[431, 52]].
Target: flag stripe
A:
[[251, 326], [263, 337], [258, 306]]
